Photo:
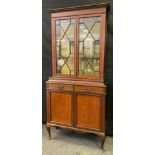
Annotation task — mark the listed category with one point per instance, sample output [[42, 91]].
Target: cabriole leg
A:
[[49, 131], [102, 140]]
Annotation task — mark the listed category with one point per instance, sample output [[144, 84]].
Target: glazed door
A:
[[90, 50], [88, 112], [78, 46], [64, 46], [61, 108]]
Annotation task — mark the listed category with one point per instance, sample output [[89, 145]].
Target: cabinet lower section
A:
[[76, 107]]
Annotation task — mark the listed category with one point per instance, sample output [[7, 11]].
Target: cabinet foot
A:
[[57, 127], [49, 131], [102, 140]]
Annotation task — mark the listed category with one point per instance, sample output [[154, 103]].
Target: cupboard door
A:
[[61, 108], [89, 46], [65, 29], [88, 111]]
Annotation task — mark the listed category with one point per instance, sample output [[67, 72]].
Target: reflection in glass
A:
[[89, 46], [65, 46]]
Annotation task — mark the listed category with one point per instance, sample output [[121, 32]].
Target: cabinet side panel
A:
[[48, 105], [102, 48], [103, 107], [53, 31]]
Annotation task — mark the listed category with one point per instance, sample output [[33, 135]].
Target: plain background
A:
[[47, 54], [21, 77]]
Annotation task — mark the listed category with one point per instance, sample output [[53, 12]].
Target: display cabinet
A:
[[76, 91]]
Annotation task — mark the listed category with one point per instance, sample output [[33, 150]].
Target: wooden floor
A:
[[65, 142]]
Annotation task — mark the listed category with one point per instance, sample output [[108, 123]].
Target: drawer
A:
[[59, 86], [88, 89]]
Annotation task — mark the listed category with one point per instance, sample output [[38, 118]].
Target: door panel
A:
[[65, 46], [89, 46], [88, 111], [61, 107]]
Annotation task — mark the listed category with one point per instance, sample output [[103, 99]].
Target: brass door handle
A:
[[88, 89], [60, 87]]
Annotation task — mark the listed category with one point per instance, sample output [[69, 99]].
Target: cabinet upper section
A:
[[78, 42]]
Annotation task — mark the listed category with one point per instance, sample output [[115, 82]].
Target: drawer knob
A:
[[60, 87]]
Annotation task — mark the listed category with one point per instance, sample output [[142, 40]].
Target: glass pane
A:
[[89, 46], [65, 46]]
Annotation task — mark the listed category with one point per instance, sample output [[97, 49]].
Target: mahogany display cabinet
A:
[[76, 92]]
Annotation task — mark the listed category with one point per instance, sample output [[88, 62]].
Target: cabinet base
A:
[[102, 135]]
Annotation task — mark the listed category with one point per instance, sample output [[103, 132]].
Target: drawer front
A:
[[59, 86], [87, 89]]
